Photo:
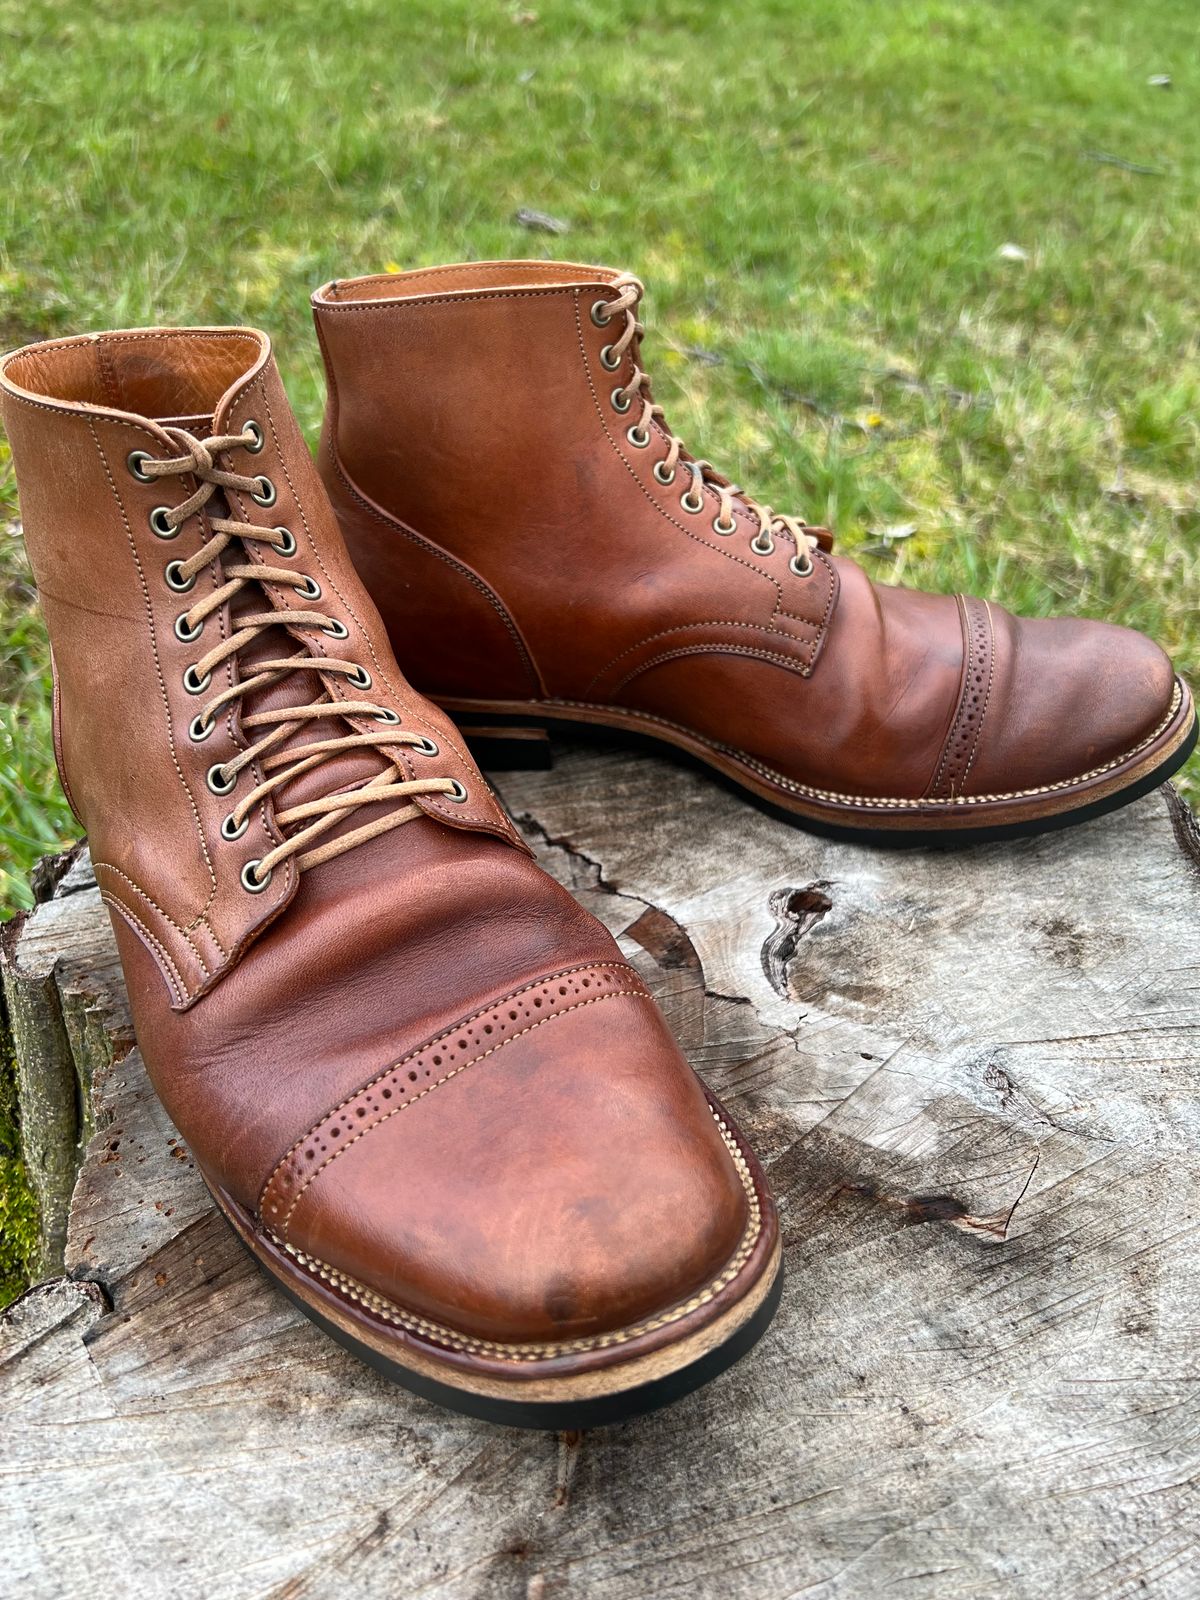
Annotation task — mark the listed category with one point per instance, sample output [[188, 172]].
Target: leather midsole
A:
[[851, 810], [525, 1384]]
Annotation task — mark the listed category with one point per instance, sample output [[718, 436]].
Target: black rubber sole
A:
[[503, 753], [549, 1416]]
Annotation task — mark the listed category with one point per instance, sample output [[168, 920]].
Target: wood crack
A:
[[971, 1079]]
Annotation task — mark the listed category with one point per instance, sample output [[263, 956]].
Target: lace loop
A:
[[270, 730], [804, 536]]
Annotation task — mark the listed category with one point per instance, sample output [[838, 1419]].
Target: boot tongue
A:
[[345, 770]]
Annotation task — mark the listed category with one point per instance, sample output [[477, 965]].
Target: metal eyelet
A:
[[251, 883], [360, 678], [287, 542], [692, 503], [620, 401], [426, 747], [217, 782], [159, 523], [609, 359], [182, 631], [638, 437], [174, 581], [660, 476], [458, 794], [252, 427], [199, 729], [805, 571], [266, 494], [337, 630], [134, 462], [193, 684], [761, 549], [387, 715], [309, 588], [724, 528], [231, 830], [600, 313]]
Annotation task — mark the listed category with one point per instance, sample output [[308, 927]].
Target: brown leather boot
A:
[[543, 550], [422, 1084]]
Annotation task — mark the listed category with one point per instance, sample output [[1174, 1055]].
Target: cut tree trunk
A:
[[972, 1079]]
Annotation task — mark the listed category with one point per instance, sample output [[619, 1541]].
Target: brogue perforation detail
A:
[[429, 1066], [387, 1311], [886, 802], [958, 753]]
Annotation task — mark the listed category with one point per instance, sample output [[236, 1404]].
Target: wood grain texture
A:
[[972, 1079]]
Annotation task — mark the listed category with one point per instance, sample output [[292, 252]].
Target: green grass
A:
[[816, 196], [18, 1208]]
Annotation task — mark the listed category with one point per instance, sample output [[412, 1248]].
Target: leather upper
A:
[[521, 1152], [154, 826], [477, 455]]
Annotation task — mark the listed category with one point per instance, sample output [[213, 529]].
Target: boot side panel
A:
[[492, 424], [448, 628], [122, 715]]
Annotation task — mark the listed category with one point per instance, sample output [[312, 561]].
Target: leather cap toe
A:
[[1068, 696], [571, 1183]]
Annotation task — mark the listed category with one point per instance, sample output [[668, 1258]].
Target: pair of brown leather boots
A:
[[431, 1097]]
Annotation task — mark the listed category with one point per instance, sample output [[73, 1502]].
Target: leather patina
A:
[[540, 543], [423, 1084]]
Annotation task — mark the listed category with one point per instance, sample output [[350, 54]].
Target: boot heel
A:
[[509, 749]]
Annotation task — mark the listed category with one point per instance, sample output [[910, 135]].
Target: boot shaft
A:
[[481, 437], [144, 767]]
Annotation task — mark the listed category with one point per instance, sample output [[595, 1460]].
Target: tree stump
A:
[[971, 1077]]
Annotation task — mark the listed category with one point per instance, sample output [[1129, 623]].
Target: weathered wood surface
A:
[[972, 1077]]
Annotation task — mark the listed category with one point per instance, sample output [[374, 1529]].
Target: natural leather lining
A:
[[155, 372], [452, 1339], [459, 277]]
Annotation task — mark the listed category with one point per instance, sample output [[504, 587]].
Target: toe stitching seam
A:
[[277, 1207], [961, 743], [289, 1156], [386, 1310], [860, 802]]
